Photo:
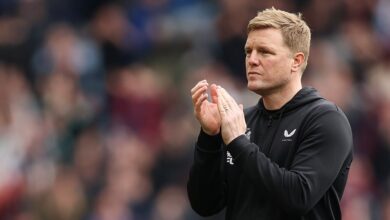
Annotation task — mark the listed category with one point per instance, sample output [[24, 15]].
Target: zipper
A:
[[269, 121]]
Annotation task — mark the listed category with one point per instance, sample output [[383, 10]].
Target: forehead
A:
[[265, 37]]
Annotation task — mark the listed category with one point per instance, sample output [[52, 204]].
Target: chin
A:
[[254, 85], [258, 89]]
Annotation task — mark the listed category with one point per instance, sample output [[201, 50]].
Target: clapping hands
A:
[[221, 115]]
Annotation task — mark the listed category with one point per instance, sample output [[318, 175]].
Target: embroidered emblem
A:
[[229, 158]]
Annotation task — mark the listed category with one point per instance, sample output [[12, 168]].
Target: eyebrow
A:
[[260, 47]]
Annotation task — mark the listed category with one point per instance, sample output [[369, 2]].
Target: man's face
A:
[[268, 61]]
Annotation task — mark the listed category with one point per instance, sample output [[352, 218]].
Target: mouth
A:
[[254, 73]]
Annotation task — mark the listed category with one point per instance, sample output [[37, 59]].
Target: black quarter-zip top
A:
[[292, 164]]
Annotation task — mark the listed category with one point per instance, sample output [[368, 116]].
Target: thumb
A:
[[241, 107], [213, 93]]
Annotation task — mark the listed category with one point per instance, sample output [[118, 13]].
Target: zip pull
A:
[[269, 121]]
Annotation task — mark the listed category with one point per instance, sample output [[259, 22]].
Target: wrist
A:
[[240, 147], [209, 143], [231, 139], [211, 133]]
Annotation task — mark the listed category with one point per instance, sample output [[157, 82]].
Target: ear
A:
[[299, 59]]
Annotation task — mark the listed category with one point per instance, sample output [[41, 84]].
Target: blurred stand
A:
[[96, 121]]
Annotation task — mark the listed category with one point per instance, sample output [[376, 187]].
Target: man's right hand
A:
[[206, 112]]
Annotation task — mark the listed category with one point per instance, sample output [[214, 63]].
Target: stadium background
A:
[[96, 119]]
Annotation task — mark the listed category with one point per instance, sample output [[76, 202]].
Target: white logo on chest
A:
[[287, 135]]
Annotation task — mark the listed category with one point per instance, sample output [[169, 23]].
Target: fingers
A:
[[200, 100], [213, 93], [227, 100], [199, 91], [219, 96], [221, 103], [224, 96], [200, 84]]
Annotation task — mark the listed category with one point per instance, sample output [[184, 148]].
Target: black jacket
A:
[[292, 163]]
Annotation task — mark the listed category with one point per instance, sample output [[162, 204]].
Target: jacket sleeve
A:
[[326, 143], [206, 185]]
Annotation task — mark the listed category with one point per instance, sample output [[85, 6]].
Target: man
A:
[[287, 157]]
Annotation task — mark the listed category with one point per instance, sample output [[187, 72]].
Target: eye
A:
[[248, 51], [265, 52]]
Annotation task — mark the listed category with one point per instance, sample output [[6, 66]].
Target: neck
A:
[[278, 99]]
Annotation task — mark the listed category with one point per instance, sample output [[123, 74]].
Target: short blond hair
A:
[[295, 32]]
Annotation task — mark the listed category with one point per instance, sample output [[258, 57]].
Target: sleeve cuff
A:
[[239, 147], [208, 143]]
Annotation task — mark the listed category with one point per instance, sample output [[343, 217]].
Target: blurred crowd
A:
[[96, 119]]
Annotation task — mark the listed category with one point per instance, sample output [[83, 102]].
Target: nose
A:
[[252, 58]]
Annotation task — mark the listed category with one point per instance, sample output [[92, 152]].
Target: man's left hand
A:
[[232, 115]]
